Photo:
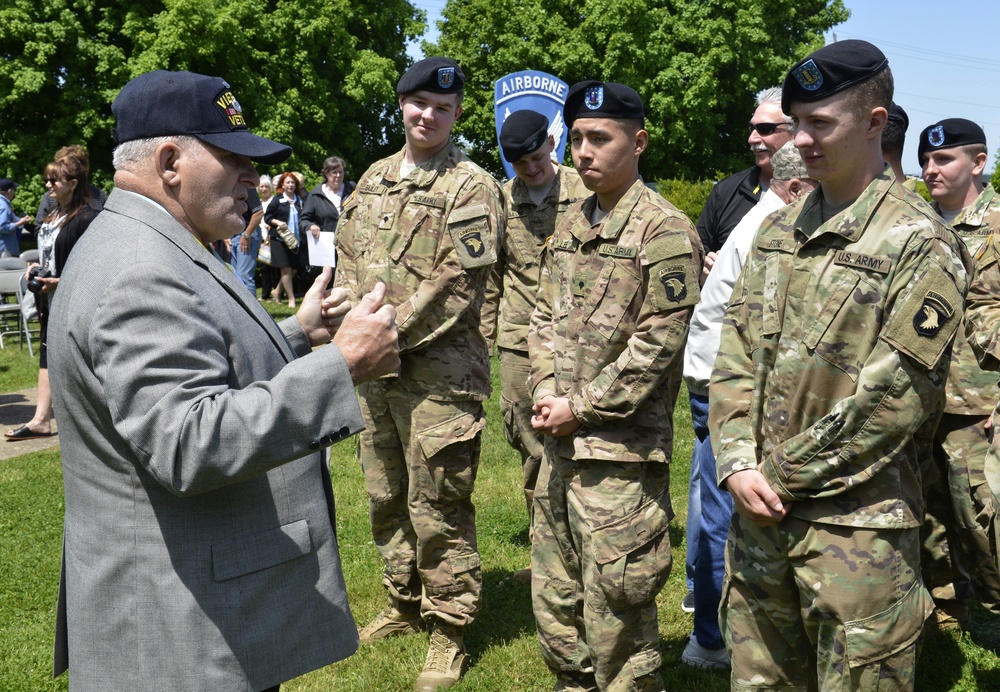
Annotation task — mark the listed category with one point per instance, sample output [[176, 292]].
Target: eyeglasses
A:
[[51, 180], [765, 129]]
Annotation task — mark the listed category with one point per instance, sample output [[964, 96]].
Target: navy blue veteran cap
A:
[[948, 133], [593, 99], [437, 75], [831, 69], [162, 103], [523, 132], [6, 185]]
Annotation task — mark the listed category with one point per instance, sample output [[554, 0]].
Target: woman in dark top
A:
[[66, 182], [325, 202], [283, 212]]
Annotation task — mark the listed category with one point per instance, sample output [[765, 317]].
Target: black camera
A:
[[34, 274]]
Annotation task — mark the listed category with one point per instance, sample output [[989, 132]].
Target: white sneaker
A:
[[697, 655]]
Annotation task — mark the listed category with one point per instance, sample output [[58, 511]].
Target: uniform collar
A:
[[425, 173], [613, 224], [974, 215], [851, 222]]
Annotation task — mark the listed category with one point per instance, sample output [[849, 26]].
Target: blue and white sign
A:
[[536, 91]]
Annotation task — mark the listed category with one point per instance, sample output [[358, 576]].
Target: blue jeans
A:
[[716, 513], [245, 264], [699, 415]]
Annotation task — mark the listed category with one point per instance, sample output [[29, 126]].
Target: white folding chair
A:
[[10, 303], [29, 314]]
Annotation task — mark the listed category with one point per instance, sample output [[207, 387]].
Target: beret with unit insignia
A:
[[593, 99], [948, 133], [830, 70], [437, 75]]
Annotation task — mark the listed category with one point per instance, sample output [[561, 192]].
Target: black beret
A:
[[948, 133], [523, 132], [435, 74], [898, 116], [831, 69], [593, 99], [162, 104]]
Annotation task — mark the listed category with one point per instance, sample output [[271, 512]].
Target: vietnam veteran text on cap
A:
[[162, 103], [831, 69]]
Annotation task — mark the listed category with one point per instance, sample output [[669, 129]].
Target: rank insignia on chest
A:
[[932, 315], [385, 221], [673, 283], [472, 239]]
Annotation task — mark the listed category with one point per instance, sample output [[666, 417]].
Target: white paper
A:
[[321, 250]]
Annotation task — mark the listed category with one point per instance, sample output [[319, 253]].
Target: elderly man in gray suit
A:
[[199, 551]]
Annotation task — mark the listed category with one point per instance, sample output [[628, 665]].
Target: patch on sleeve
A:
[[924, 321], [470, 232], [673, 285]]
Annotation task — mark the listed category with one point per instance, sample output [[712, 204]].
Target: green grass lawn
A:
[[502, 644]]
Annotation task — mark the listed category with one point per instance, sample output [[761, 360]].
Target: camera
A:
[[34, 274]]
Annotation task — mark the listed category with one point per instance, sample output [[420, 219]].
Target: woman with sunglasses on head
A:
[[282, 214], [66, 182]]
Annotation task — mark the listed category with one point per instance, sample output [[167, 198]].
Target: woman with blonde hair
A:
[[283, 215]]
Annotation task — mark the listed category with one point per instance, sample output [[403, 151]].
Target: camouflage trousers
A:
[[960, 530], [599, 557], [515, 403], [420, 459], [808, 606]]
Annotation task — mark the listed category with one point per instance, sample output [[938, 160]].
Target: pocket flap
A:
[[618, 539], [890, 631], [462, 427], [257, 551]]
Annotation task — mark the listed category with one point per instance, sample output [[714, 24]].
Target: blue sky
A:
[[945, 58]]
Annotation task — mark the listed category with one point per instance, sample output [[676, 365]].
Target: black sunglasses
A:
[[765, 129]]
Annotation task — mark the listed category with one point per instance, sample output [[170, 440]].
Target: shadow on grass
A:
[[940, 664], [506, 606]]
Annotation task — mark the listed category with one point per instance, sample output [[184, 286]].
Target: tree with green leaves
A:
[[696, 63], [316, 74]]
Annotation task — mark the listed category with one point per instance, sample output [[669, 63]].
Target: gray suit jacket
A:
[[199, 548]]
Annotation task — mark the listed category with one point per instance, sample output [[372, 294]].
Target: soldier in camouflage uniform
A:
[[426, 221], [960, 530], [618, 284], [537, 199], [828, 385]]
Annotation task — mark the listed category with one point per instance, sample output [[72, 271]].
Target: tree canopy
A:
[[319, 75], [696, 63]]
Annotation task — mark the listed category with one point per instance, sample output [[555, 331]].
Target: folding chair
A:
[[29, 313], [10, 303]]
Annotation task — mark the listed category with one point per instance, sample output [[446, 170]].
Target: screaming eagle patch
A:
[[932, 315], [674, 285]]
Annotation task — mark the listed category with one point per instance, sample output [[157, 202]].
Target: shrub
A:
[[686, 195]]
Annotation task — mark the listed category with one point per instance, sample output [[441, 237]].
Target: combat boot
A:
[[445, 659], [574, 681], [398, 619]]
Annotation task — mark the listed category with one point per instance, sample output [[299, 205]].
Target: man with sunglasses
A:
[[727, 204]]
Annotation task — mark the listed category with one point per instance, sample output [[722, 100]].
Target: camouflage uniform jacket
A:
[[432, 238], [970, 389], [614, 303], [834, 355], [515, 281]]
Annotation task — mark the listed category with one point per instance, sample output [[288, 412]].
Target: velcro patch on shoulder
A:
[[665, 247], [467, 213], [924, 321]]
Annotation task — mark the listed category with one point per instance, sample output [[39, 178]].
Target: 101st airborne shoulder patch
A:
[[923, 323], [672, 282], [468, 227]]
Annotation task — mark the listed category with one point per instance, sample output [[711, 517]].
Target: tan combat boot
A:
[[398, 619], [445, 659]]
